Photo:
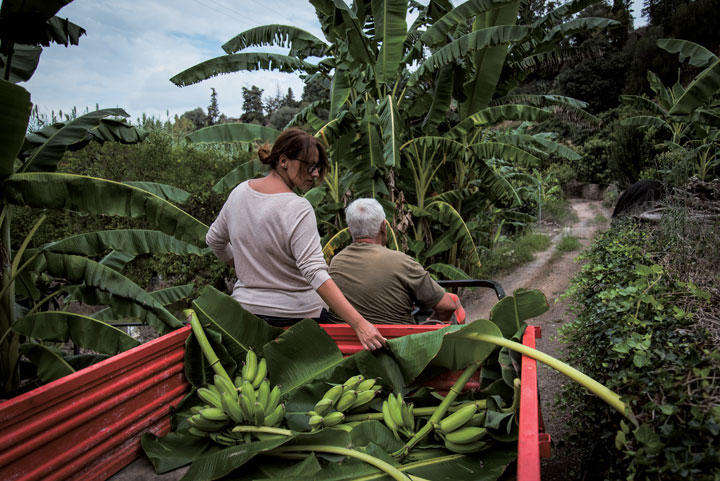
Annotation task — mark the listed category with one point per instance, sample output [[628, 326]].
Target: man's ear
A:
[[383, 228]]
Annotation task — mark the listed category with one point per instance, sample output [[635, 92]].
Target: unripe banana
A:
[[273, 400], [238, 381], [389, 422], [353, 382], [323, 406], [466, 448], [363, 398], [214, 414], [268, 437], [263, 394], [249, 392], [466, 435], [224, 385], [259, 414], [478, 419], [395, 409], [222, 439], [365, 385], [458, 418], [209, 397], [199, 422], [247, 408], [335, 417], [260, 374], [275, 417], [249, 369], [231, 406], [192, 430], [315, 421], [347, 400], [334, 393], [407, 416], [213, 388]]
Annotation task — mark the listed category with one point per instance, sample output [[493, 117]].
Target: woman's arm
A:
[[369, 336]]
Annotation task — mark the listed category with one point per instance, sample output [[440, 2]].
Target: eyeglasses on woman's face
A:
[[310, 168]]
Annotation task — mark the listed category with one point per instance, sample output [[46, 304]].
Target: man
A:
[[383, 284]]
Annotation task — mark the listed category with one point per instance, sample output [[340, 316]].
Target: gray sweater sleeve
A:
[[306, 249], [218, 237]]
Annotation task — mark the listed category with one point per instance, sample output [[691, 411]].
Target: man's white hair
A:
[[364, 218]]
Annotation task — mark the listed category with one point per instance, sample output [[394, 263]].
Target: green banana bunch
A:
[[400, 414], [462, 430], [249, 369]]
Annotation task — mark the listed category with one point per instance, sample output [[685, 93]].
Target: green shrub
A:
[[639, 331]]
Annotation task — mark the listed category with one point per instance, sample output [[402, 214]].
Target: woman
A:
[[269, 234]]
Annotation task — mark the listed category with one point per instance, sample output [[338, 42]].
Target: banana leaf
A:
[[339, 89], [300, 42], [511, 312], [390, 31], [458, 353], [174, 450], [437, 33], [120, 308], [48, 154], [132, 242], [241, 61], [233, 132], [704, 87], [300, 355], [49, 361], [540, 100], [456, 222], [84, 331], [93, 274], [645, 121], [241, 173], [441, 99], [336, 244], [467, 44], [25, 60], [164, 191], [643, 104], [448, 271], [307, 115], [498, 150], [391, 130], [100, 196], [15, 110], [538, 143], [240, 329], [500, 113], [581, 24], [695, 54]]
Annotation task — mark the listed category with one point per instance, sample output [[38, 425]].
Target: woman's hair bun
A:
[[264, 153]]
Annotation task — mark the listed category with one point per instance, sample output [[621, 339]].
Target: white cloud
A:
[[132, 48]]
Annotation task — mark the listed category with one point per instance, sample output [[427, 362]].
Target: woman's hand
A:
[[368, 334]]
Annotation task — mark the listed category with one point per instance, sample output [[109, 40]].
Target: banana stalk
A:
[[388, 468], [610, 397], [207, 350], [440, 411]]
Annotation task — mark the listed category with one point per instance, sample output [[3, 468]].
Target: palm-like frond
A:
[[300, 42], [241, 61]]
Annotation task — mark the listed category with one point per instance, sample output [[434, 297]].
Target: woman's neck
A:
[[273, 183]]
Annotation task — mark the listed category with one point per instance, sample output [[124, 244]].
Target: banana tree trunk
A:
[[9, 353]]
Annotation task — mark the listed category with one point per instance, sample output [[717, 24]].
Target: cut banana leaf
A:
[[164, 191], [510, 313], [240, 329], [84, 331], [458, 353], [174, 450]]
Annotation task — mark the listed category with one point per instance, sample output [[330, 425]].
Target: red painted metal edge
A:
[[528, 463], [88, 425]]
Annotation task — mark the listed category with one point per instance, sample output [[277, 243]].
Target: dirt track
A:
[[550, 272]]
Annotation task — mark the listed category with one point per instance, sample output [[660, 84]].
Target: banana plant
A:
[[445, 76], [84, 267], [690, 115]]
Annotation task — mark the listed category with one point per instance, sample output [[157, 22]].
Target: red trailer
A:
[[87, 426]]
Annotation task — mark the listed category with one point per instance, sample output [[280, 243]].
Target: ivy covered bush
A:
[[646, 330]]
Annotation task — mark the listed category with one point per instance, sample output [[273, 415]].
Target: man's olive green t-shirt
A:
[[383, 284]]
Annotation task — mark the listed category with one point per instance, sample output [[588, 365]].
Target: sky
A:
[[133, 47]]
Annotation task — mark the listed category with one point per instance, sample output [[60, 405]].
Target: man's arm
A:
[[444, 309]]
